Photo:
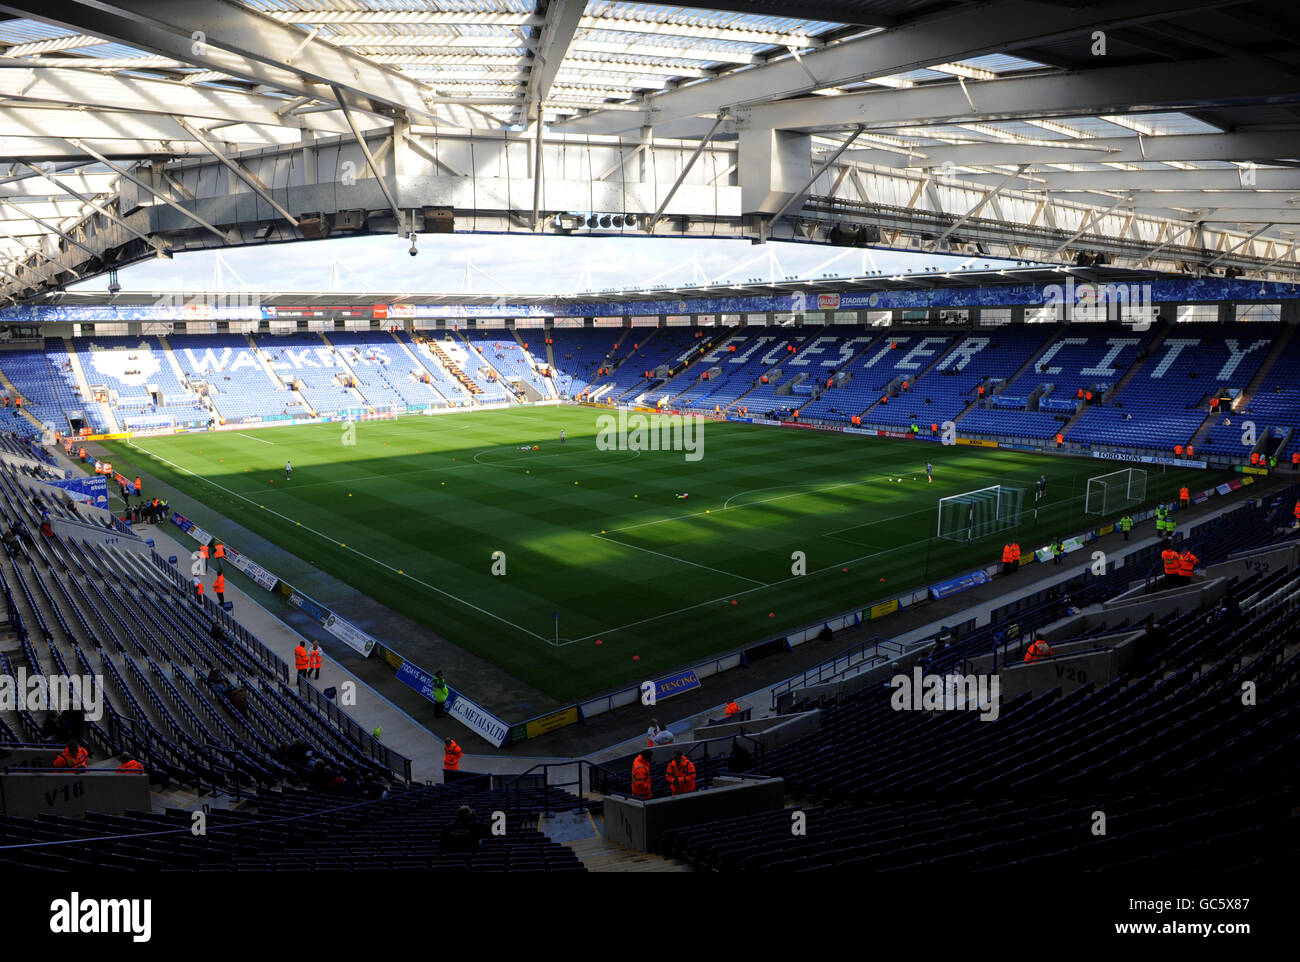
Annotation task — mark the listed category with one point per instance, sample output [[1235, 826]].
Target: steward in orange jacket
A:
[[300, 661], [641, 775], [451, 753], [73, 756], [1039, 649], [681, 774]]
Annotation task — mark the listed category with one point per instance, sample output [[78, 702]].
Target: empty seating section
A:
[[1275, 404], [116, 613], [952, 384], [894, 357], [1167, 401], [402, 831], [503, 352], [1190, 775], [450, 349], [579, 354], [642, 350], [443, 382], [240, 387], [39, 377], [148, 392], [389, 377], [305, 360]]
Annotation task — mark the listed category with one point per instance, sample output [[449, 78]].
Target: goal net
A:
[[1114, 492], [975, 514]]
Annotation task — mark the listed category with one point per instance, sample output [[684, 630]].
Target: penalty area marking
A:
[[729, 574]]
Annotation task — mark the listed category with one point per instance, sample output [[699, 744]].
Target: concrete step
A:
[[581, 831]]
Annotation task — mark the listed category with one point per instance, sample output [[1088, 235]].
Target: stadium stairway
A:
[[1029, 365], [1265, 369], [79, 372]]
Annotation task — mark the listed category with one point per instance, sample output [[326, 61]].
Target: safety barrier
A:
[[370, 746]]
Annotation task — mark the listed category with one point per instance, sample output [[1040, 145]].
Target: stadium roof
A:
[[1161, 134]]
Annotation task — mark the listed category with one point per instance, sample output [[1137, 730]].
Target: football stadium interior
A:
[[936, 564]]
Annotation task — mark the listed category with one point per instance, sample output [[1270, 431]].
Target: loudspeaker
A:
[[349, 220], [439, 220], [313, 226]]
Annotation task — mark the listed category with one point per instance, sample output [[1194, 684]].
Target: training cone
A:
[[599, 642], [636, 657]]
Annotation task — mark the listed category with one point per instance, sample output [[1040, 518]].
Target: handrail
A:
[[369, 745], [830, 669]]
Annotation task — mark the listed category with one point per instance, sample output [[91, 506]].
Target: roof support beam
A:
[[801, 195], [253, 183], [704, 142], [1108, 90], [1086, 226], [40, 253], [146, 186], [979, 206], [94, 254], [553, 42], [151, 241], [949, 36], [1237, 247], [370, 158]]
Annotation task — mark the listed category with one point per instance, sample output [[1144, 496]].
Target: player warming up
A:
[[288, 470], [681, 497], [929, 473], [561, 435]]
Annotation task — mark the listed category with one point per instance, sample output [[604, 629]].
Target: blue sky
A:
[[509, 264]]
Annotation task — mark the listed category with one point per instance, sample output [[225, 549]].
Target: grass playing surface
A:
[[412, 512]]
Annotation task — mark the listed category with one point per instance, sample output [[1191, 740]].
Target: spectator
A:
[[665, 737], [465, 834], [73, 757], [652, 732]]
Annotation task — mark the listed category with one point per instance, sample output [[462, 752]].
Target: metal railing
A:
[[370, 746], [590, 777], [865, 654]]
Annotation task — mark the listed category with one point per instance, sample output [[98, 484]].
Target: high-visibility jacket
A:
[[1187, 563], [1184, 494], [198, 588], [641, 778], [219, 585], [1170, 557], [1015, 551], [220, 550], [1039, 649], [681, 775], [300, 660], [314, 658], [76, 760], [440, 692], [1170, 525], [130, 766], [1126, 523], [1006, 554], [1297, 509], [203, 552], [451, 757], [732, 709], [137, 485]]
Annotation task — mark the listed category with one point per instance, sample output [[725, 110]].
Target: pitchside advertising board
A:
[[676, 684], [961, 583], [1148, 459], [472, 716]]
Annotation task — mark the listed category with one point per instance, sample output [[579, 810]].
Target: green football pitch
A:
[[599, 552]]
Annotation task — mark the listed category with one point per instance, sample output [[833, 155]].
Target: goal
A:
[[976, 514], [1114, 492]]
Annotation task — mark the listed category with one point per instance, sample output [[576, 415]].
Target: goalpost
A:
[[976, 514], [1114, 492]]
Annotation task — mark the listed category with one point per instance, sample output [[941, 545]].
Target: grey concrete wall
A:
[[1067, 673], [1136, 606], [639, 825], [1260, 562], [94, 534], [35, 794]]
